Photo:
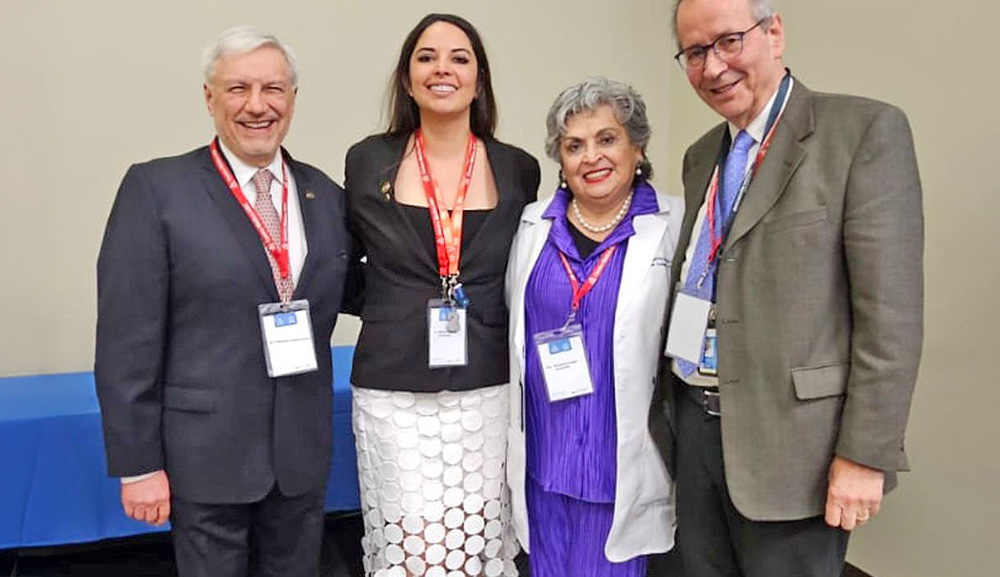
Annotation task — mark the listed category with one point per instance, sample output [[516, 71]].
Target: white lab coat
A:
[[645, 511]]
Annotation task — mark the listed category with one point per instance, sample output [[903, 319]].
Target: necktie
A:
[[272, 221], [732, 178]]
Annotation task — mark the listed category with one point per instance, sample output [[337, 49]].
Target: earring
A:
[[638, 171], [562, 181]]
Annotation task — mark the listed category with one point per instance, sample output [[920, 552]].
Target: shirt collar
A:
[[643, 202], [756, 127], [244, 172]]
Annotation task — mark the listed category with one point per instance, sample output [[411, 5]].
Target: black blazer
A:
[[400, 276], [180, 365]]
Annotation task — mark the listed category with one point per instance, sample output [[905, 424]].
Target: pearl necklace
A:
[[604, 227]]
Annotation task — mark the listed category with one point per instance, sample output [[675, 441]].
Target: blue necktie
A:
[[732, 177]]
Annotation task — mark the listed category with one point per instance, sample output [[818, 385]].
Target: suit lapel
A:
[[536, 232], [649, 229], [415, 244], [782, 160], [703, 158], [501, 176], [238, 223], [310, 227]]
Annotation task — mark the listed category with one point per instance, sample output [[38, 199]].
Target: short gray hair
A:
[[761, 9], [241, 40], [591, 94]]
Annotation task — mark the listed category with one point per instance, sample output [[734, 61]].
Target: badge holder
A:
[[286, 329], [446, 334], [709, 365], [563, 358], [692, 335], [688, 327], [447, 337]]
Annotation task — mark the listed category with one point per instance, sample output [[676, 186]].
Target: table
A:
[[54, 488]]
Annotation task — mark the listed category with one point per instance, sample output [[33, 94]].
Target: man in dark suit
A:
[[219, 281], [796, 329]]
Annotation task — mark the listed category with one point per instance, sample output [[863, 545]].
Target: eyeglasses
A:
[[726, 47]]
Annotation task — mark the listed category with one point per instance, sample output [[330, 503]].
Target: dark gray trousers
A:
[[278, 536], [715, 540]]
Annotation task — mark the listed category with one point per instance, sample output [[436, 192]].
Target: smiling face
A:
[[251, 99], [598, 158], [737, 89], [443, 71]]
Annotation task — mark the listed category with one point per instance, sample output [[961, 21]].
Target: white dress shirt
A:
[[243, 172]]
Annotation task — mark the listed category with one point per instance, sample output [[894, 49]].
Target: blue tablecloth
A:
[[54, 487]]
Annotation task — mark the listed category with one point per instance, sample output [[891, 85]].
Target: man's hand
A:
[[148, 500], [854, 493]]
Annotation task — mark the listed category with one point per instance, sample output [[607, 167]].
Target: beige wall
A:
[[933, 59], [92, 86]]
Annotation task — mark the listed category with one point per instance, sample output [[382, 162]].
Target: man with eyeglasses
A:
[[796, 326]]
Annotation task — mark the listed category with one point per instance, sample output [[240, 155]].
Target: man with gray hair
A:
[[796, 329], [219, 281]]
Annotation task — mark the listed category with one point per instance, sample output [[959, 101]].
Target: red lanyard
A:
[[581, 291], [447, 228], [715, 236], [280, 253]]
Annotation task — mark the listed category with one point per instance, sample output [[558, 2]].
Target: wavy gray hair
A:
[[241, 40], [761, 9], [591, 94]]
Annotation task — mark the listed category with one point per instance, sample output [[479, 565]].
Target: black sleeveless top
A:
[[472, 221], [584, 244]]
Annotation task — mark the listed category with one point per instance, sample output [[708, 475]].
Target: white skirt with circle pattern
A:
[[433, 490]]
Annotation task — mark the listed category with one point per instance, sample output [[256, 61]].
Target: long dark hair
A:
[[404, 115]]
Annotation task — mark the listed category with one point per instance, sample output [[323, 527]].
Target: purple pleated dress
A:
[[571, 444]]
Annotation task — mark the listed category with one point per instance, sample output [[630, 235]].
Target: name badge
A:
[[286, 329], [446, 335], [709, 364], [688, 326], [564, 363]]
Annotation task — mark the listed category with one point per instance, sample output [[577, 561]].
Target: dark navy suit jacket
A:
[[180, 366]]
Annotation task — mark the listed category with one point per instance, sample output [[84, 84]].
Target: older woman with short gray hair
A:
[[629, 109], [587, 287]]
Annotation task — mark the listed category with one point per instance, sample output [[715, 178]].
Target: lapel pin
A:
[[310, 195]]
